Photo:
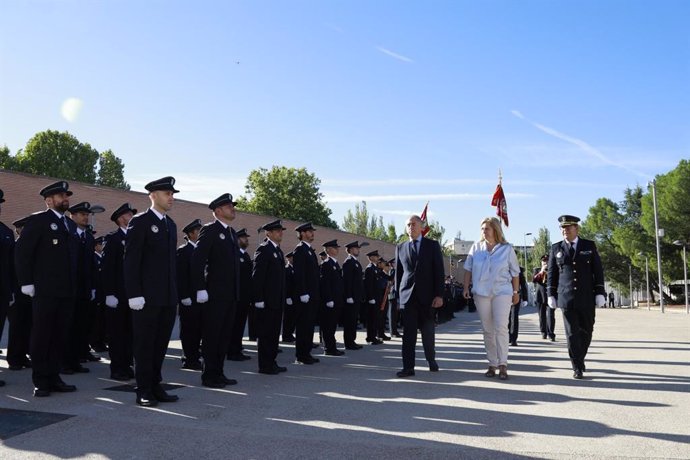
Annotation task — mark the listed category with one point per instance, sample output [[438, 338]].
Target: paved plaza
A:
[[633, 403]]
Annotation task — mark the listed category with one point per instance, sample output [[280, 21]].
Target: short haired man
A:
[[353, 292], [190, 310], [306, 268]]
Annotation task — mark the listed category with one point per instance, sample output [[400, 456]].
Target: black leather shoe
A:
[[15, 367], [41, 392], [514, 343], [92, 358], [307, 360], [239, 357], [192, 365], [353, 346], [228, 381], [120, 376], [162, 396], [315, 345], [335, 352], [543, 336], [213, 383], [553, 339], [396, 334], [384, 337], [2, 383], [271, 371], [577, 374], [62, 387], [67, 371], [405, 373], [288, 339], [81, 369], [376, 342], [433, 366], [146, 400], [280, 368]]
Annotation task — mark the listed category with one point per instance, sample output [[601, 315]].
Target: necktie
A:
[[414, 252], [572, 251], [64, 222]]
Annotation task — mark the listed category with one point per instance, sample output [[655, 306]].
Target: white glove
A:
[[552, 302], [330, 304], [372, 301], [350, 300], [93, 294], [111, 301], [12, 300], [259, 305], [288, 301], [29, 290], [136, 303], [186, 302], [304, 298], [201, 296], [401, 307], [599, 300], [523, 303]]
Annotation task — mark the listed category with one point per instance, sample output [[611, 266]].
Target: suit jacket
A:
[[46, 255], [331, 283], [306, 268], [112, 268], [353, 281], [268, 276], [575, 282], [6, 263], [246, 268], [422, 280], [218, 256], [184, 272], [149, 261]]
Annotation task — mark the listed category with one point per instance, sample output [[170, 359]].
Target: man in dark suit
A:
[[576, 285], [307, 299], [547, 316], [118, 315], [289, 309], [331, 290], [419, 281], [190, 310], [19, 315], [268, 292], [216, 277], [151, 286], [371, 295], [243, 310], [46, 266], [353, 292]]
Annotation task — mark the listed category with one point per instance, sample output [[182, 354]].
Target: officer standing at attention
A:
[[268, 283], [6, 268], [215, 275], [353, 291], [575, 284], [45, 262], [371, 279], [306, 268], [151, 286], [243, 311], [118, 315], [331, 283], [190, 311], [289, 310]]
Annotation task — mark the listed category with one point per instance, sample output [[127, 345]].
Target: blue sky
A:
[[395, 103]]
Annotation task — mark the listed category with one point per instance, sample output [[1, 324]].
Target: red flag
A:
[[499, 200], [425, 224]]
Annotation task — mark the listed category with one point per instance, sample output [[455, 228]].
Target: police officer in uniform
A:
[[97, 335], [118, 315], [371, 291], [45, 261], [576, 285], [19, 315], [190, 310], [353, 292], [151, 287], [6, 268], [268, 282], [332, 291], [217, 256], [243, 311], [306, 267], [547, 316], [289, 309]]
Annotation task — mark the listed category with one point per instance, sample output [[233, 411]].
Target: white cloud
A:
[[394, 55]]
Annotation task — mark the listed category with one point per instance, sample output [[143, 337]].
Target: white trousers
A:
[[494, 312]]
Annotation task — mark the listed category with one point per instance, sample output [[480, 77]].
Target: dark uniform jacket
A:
[[46, 255], [149, 262], [539, 281], [290, 282], [112, 271], [423, 280], [268, 276], [331, 281], [575, 282], [98, 277], [246, 277], [217, 254], [306, 272], [86, 269], [353, 281], [184, 271], [371, 277], [6, 263]]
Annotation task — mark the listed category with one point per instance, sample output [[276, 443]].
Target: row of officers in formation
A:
[[66, 292]]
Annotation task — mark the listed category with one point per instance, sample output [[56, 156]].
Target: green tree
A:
[[360, 222], [111, 171], [541, 245], [436, 232], [7, 161], [288, 193]]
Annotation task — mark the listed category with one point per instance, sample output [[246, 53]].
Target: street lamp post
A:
[[630, 279], [685, 272], [525, 248], [646, 270], [659, 233]]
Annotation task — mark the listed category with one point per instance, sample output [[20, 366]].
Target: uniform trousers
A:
[[289, 321], [190, 331], [329, 318], [118, 321], [51, 320], [78, 338], [217, 317], [349, 315], [547, 321], [151, 329], [238, 325], [493, 312], [514, 323], [418, 316], [268, 322], [373, 320], [578, 324], [305, 319], [19, 315]]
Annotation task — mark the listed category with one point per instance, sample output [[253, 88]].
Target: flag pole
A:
[[500, 182]]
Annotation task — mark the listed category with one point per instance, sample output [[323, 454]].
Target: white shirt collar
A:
[[158, 214], [574, 243], [124, 230], [275, 245], [79, 231], [333, 259], [308, 245], [60, 216], [222, 223], [192, 243]]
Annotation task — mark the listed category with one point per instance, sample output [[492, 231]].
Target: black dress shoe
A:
[[41, 392], [15, 367], [577, 374], [146, 400], [227, 381], [192, 365], [307, 360], [162, 396], [62, 387], [335, 352], [81, 369], [433, 366], [280, 368], [514, 343], [120, 376], [543, 336], [279, 350], [384, 337], [213, 383], [353, 346], [92, 358], [553, 339], [289, 339], [2, 383], [376, 342], [99, 347], [270, 371], [315, 345], [239, 357], [67, 371], [405, 373], [396, 334]]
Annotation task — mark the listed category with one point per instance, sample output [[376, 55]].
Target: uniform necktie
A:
[[414, 251], [572, 251], [64, 222]]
